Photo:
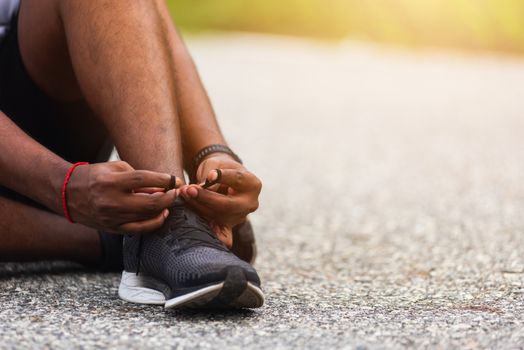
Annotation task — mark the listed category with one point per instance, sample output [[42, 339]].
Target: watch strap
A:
[[215, 148]]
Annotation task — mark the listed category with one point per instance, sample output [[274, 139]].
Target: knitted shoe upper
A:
[[183, 253]]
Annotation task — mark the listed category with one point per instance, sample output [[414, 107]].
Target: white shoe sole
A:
[[143, 289]]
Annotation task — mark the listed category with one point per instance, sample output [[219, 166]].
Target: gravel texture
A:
[[391, 217]]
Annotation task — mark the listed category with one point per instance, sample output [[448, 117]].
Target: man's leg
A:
[[126, 77], [124, 69], [79, 45], [29, 233], [119, 62]]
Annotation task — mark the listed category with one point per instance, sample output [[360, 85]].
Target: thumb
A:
[[238, 179]]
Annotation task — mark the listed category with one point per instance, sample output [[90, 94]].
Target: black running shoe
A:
[[184, 264]]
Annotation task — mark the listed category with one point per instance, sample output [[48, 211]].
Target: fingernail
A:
[[193, 192], [213, 175], [166, 213]]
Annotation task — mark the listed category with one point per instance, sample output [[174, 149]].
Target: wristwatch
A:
[[215, 148]]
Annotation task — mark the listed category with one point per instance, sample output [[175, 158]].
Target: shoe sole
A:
[[234, 292]]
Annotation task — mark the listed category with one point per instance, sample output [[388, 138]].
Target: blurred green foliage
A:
[[468, 24]]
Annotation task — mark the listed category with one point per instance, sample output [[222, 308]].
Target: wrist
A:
[[220, 155], [213, 149], [55, 180], [66, 194]]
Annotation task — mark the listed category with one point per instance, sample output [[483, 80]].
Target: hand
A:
[[215, 161], [230, 201], [116, 198]]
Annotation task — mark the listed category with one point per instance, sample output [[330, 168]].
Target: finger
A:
[[146, 225], [149, 190], [219, 188], [216, 201], [202, 210], [148, 204], [229, 205], [222, 189], [212, 178], [133, 213], [213, 188], [130, 180], [174, 182], [121, 165], [240, 180]]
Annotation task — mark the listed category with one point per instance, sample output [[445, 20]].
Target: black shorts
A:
[[73, 137]]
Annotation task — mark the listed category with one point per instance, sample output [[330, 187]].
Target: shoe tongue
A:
[[190, 226], [182, 212]]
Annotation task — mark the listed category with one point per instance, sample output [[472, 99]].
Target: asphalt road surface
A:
[[392, 213]]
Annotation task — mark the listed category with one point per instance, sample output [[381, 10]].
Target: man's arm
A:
[[197, 119], [99, 195], [29, 168], [199, 129]]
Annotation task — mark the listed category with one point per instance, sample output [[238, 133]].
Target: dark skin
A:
[[125, 64]]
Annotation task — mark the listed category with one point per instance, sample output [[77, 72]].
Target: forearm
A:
[[198, 123], [29, 168]]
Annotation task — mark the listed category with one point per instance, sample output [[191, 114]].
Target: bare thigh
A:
[[47, 102]]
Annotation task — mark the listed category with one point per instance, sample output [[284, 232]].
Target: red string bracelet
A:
[[64, 187]]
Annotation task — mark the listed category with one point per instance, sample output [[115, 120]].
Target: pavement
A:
[[391, 215]]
